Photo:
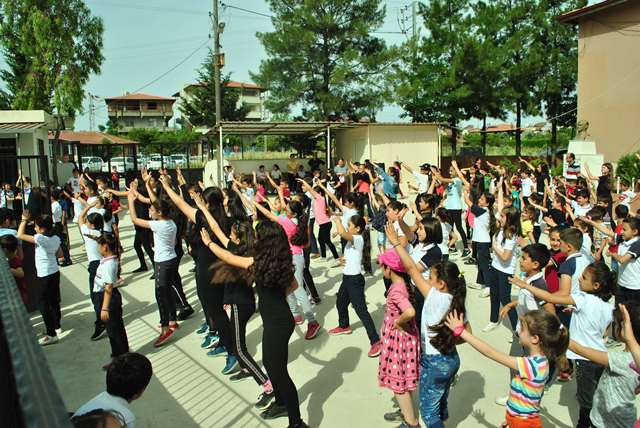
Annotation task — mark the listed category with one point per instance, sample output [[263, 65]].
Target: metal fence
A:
[[30, 397], [36, 167]]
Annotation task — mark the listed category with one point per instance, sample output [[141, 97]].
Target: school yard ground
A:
[[337, 382]]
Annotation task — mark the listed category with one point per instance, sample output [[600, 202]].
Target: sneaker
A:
[[502, 401], [241, 375], [140, 269], [274, 411], [453, 250], [375, 350], [98, 332], [185, 313], [58, 331], [475, 286], [48, 340], [312, 330], [203, 329], [470, 261], [174, 326], [163, 338], [65, 264], [405, 424], [231, 365], [486, 292], [210, 340], [217, 351], [564, 376], [394, 416], [339, 330], [465, 253], [264, 400], [298, 319], [153, 276], [491, 326]]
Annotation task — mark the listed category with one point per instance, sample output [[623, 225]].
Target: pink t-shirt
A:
[[320, 210], [260, 194], [290, 229]]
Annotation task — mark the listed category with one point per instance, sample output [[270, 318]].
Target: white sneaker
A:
[[502, 401], [48, 340], [475, 286], [58, 330], [510, 339], [486, 292], [491, 326]]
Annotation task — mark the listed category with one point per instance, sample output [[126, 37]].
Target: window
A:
[[152, 105]]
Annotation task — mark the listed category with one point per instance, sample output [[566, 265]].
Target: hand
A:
[[518, 282], [399, 326], [206, 239], [164, 180], [145, 174], [627, 329], [402, 213], [201, 184], [504, 311], [197, 198], [523, 242], [391, 233], [454, 320], [104, 315]]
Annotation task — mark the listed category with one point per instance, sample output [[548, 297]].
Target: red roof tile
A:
[[90, 137], [139, 96]]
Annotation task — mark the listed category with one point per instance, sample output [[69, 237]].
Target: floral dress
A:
[[400, 356]]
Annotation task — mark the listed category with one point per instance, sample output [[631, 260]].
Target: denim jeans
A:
[[436, 374]]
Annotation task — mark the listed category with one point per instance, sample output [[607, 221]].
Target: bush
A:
[[556, 171], [628, 168]]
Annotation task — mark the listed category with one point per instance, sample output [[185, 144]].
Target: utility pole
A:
[[216, 74], [92, 117]]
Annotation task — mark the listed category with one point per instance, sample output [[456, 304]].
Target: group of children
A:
[[245, 243]]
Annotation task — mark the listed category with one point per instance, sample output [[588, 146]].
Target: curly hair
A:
[[272, 263], [223, 273], [448, 272]]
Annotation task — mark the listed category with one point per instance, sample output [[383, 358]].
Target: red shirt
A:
[[614, 248], [551, 272], [115, 204]]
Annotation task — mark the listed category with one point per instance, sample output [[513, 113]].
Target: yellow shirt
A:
[[292, 166], [527, 227]]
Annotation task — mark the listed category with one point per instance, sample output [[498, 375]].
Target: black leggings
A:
[[275, 356], [93, 268], [351, 291], [166, 273], [309, 284], [180, 298], [324, 240], [115, 325], [206, 293], [456, 216], [143, 238], [240, 315], [220, 317], [49, 302], [500, 294]]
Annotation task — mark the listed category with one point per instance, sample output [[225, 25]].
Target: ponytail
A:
[[444, 340], [300, 237], [554, 338]]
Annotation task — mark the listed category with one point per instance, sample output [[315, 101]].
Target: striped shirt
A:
[[527, 386]]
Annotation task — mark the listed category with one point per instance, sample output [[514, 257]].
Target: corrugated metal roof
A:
[[300, 128], [21, 126]]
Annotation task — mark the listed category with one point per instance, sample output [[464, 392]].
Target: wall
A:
[[412, 144], [351, 144], [27, 145], [608, 84]]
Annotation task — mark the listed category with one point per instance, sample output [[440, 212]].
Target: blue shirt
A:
[[389, 185]]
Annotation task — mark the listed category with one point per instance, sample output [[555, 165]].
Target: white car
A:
[[93, 163], [155, 162], [142, 160], [178, 160], [121, 163]]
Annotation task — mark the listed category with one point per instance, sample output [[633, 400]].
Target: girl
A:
[[324, 223], [444, 292], [589, 321], [46, 259], [503, 266], [587, 238], [398, 369], [545, 339], [447, 229], [108, 297], [91, 226], [270, 267], [453, 203], [482, 231], [379, 220], [165, 260], [294, 223], [352, 286], [627, 258], [348, 207]]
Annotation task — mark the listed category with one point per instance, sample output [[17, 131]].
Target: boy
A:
[[527, 184], [571, 269], [6, 220], [9, 244], [581, 205], [627, 196], [127, 378], [629, 264]]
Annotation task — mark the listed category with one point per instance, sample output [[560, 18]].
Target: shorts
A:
[[518, 422], [382, 239]]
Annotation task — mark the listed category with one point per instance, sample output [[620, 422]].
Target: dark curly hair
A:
[[448, 272], [272, 263]]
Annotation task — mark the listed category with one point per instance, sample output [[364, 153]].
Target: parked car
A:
[[142, 160], [155, 161], [121, 163], [93, 163], [177, 160]]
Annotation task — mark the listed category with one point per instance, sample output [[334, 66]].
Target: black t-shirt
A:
[[362, 176], [274, 308], [202, 255], [540, 179], [238, 292], [604, 188]]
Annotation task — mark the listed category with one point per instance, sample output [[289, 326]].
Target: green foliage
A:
[[628, 167], [508, 165], [323, 58], [51, 49], [556, 171], [199, 109]]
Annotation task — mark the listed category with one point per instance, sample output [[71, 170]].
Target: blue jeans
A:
[[436, 374]]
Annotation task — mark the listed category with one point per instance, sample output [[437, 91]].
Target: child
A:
[[615, 398], [526, 223], [447, 232], [46, 253], [398, 369], [322, 218], [9, 244], [571, 269], [128, 376], [627, 196], [108, 297], [621, 212], [352, 287], [581, 205], [627, 258], [590, 319], [503, 266], [545, 339], [444, 292], [379, 220], [57, 214], [587, 239], [482, 231], [527, 184]]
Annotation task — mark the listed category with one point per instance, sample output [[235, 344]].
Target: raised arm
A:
[[331, 196], [213, 224], [344, 234], [271, 216], [410, 266], [527, 163], [223, 254], [407, 167], [542, 294], [132, 208], [22, 234], [588, 174], [439, 177], [179, 202], [454, 164], [307, 188]]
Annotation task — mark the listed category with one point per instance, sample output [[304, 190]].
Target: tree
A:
[[322, 56], [427, 86], [200, 107]]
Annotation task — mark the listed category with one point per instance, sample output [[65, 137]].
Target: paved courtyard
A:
[[337, 382]]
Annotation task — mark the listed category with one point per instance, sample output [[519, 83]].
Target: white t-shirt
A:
[[481, 224], [107, 273], [436, 306], [164, 239], [580, 210], [106, 401], [589, 321], [446, 233], [91, 245], [347, 213], [527, 187], [74, 182], [423, 182], [586, 247], [276, 174], [108, 225], [77, 209], [400, 233], [626, 197], [573, 266], [56, 212], [45, 255], [353, 256], [629, 273], [509, 265], [526, 301], [4, 199]]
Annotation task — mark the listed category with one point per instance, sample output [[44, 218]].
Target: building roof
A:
[[576, 15], [20, 127], [139, 96], [90, 137], [230, 84], [299, 128], [502, 127]]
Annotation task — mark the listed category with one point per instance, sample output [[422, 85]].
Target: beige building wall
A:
[[412, 144], [608, 80], [351, 144]]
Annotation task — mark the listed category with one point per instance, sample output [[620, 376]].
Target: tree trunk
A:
[[518, 130], [454, 139], [554, 140], [484, 135]]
